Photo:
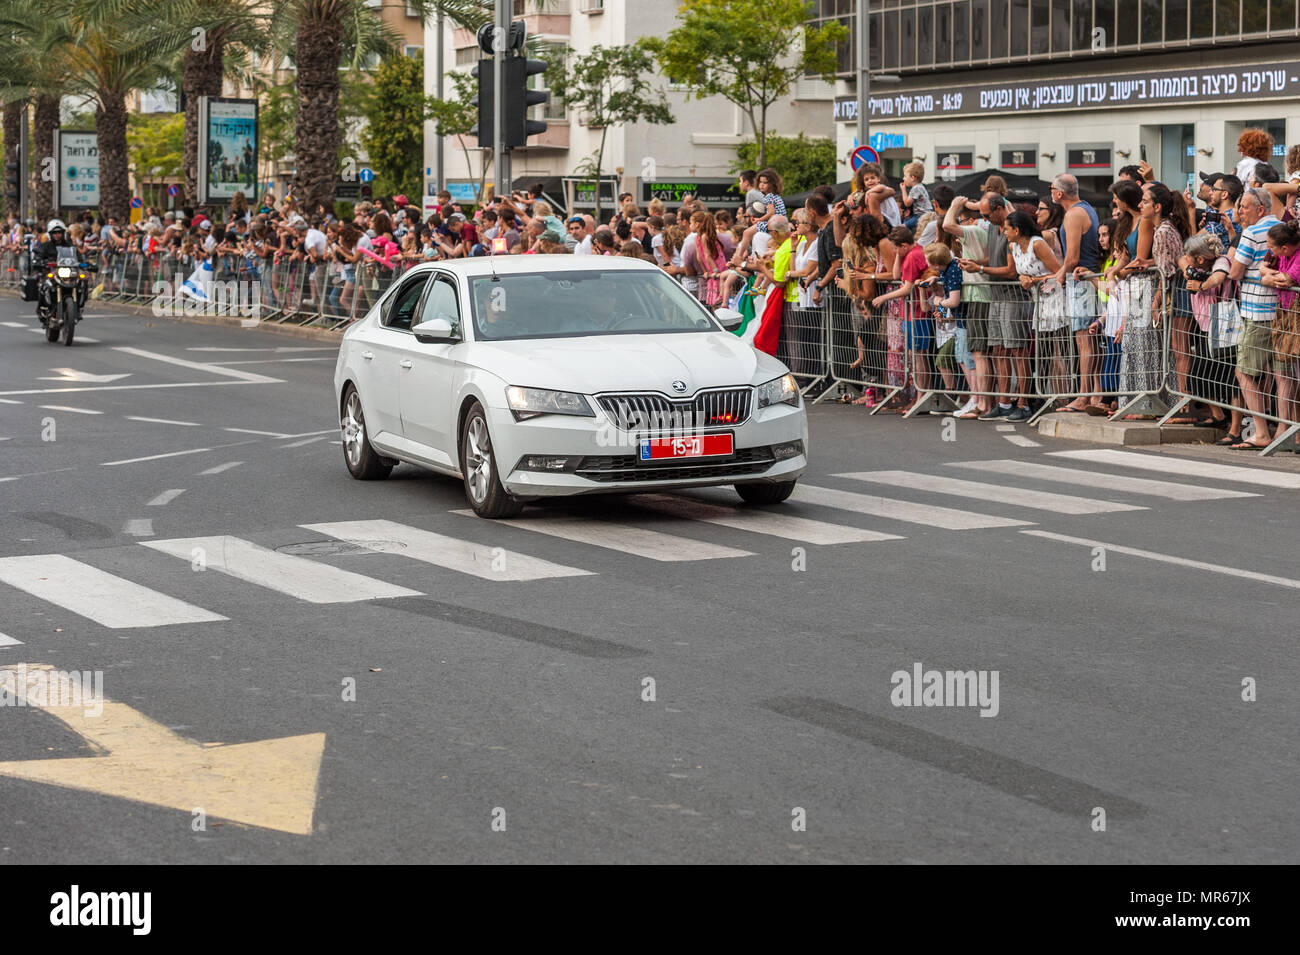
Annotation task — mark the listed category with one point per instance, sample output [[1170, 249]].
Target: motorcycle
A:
[[63, 295]]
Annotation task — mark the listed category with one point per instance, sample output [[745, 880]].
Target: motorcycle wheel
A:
[[70, 316]]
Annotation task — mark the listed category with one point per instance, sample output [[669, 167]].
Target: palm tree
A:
[[106, 49], [327, 34]]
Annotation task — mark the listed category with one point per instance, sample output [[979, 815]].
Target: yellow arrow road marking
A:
[[269, 783]]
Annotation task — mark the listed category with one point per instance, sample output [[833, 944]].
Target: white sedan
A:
[[537, 376]]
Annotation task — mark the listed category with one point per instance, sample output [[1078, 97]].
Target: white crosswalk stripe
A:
[[995, 493], [624, 538], [945, 518], [96, 594], [451, 553], [1172, 464], [8, 641], [758, 521], [1102, 480], [289, 574]]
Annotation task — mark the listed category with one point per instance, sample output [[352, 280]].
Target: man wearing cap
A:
[[1220, 214], [205, 231]]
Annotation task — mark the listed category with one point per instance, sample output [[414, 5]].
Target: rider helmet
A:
[[56, 225]]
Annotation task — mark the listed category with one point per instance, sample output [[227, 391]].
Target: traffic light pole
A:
[[500, 40], [23, 163]]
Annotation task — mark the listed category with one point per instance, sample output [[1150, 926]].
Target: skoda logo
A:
[[679, 386]]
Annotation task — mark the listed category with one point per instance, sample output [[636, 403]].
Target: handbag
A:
[[1226, 324]]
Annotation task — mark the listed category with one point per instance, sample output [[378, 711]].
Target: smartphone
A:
[[1143, 150]]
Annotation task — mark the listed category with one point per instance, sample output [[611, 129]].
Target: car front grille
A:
[[626, 468], [659, 413]]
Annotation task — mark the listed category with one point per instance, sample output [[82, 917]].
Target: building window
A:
[[1202, 19], [961, 31], [414, 52], [979, 29], [1019, 27], [552, 109], [467, 56]]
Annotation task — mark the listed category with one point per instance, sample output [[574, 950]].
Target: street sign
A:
[[347, 191], [863, 154], [173, 190], [136, 202], [366, 174]]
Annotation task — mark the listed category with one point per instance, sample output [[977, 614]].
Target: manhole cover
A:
[[328, 548]]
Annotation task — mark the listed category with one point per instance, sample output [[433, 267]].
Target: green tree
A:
[[803, 162], [155, 144], [455, 115], [749, 52], [607, 86], [394, 136]]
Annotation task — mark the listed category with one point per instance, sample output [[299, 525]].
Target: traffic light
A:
[[13, 181], [516, 97], [519, 98], [486, 76]]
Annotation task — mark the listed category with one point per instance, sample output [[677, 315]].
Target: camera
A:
[[1213, 215], [1195, 274]]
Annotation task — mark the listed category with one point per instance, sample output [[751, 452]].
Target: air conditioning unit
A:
[[592, 6]]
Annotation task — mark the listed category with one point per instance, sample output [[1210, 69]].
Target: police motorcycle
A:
[[60, 293]]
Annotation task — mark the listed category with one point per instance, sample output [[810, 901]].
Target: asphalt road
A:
[[500, 720]]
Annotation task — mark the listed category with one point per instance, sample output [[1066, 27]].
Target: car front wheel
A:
[[483, 487], [363, 462], [773, 492]]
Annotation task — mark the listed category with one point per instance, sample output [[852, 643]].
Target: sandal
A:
[[1246, 446], [1229, 441], [1097, 411]]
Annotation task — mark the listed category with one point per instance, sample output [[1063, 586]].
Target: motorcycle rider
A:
[[44, 255]]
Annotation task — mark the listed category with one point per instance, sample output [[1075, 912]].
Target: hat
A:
[[169, 214], [401, 201], [298, 223], [757, 208], [205, 225], [1210, 176], [550, 235]]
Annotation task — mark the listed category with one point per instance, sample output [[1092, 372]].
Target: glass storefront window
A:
[[979, 29], [1175, 21], [1202, 19], [961, 31], [907, 39], [1281, 15], [1254, 16], [998, 28], [1040, 30], [1060, 26], [925, 36], [1152, 21], [1227, 21], [1019, 27], [943, 33], [889, 38], [1082, 27]]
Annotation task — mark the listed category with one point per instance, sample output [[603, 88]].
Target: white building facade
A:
[[697, 150]]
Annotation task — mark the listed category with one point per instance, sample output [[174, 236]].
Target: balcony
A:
[[555, 137]]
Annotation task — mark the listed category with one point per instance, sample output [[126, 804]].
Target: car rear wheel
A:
[[773, 492], [483, 487], [363, 463]]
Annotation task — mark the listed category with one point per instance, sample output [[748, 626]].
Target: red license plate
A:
[[693, 446]]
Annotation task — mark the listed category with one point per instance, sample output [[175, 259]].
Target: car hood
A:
[[601, 363]]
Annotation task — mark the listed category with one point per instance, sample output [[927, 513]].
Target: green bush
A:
[[802, 162]]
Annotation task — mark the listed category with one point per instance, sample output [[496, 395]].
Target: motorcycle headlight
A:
[[530, 402], [64, 272], [778, 391]]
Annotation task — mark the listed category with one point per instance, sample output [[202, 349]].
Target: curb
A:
[[1079, 427], [295, 331]]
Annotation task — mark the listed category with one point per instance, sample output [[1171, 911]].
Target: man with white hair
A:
[[783, 289], [1081, 248], [1258, 306]]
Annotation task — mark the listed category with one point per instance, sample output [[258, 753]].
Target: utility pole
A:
[[864, 75], [500, 40], [438, 171]]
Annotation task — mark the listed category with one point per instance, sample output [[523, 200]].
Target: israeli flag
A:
[[200, 280]]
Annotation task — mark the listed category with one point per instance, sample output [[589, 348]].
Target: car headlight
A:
[[778, 391], [530, 402]]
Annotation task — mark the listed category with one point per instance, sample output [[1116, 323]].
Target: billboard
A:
[[78, 152], [227, 149]]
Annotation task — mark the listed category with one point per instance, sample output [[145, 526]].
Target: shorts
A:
[[977, 326], [1009, 324], [944, 359], [1255, 349], [920, 335], [963, 353], [1081, 304]]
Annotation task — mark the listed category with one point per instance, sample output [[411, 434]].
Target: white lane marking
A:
[[8, 641], [308, 434], [222, 467], [299, 444], [282, 348], [187, 424], [139, 527], [196, 365], [265, 434], [1170, 559], [478, 560], [17, 325], [1170, 464], [9, 401], [286, 573], [625, 538], [277, 361], [154, 457], [71, 374], [945, 518], [99, 596], [73, 410], [1006, 427], [995, 493], [1022, 441], [166, 497], [15, 477], [166, 384], [758, 521], [1105, 481]]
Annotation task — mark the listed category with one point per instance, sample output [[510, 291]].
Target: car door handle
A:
[[406, 363], [367, 355]]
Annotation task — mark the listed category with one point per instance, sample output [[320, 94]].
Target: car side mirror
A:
[[434, 330], [729, 318]]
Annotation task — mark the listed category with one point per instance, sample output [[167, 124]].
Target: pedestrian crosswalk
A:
[[547, 545]]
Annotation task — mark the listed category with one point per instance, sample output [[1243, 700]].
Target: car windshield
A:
[[573, 304]]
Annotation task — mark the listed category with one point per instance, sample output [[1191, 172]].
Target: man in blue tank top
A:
[[1081, 256]]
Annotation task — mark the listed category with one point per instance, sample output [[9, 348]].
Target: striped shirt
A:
[[1258, 302]]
